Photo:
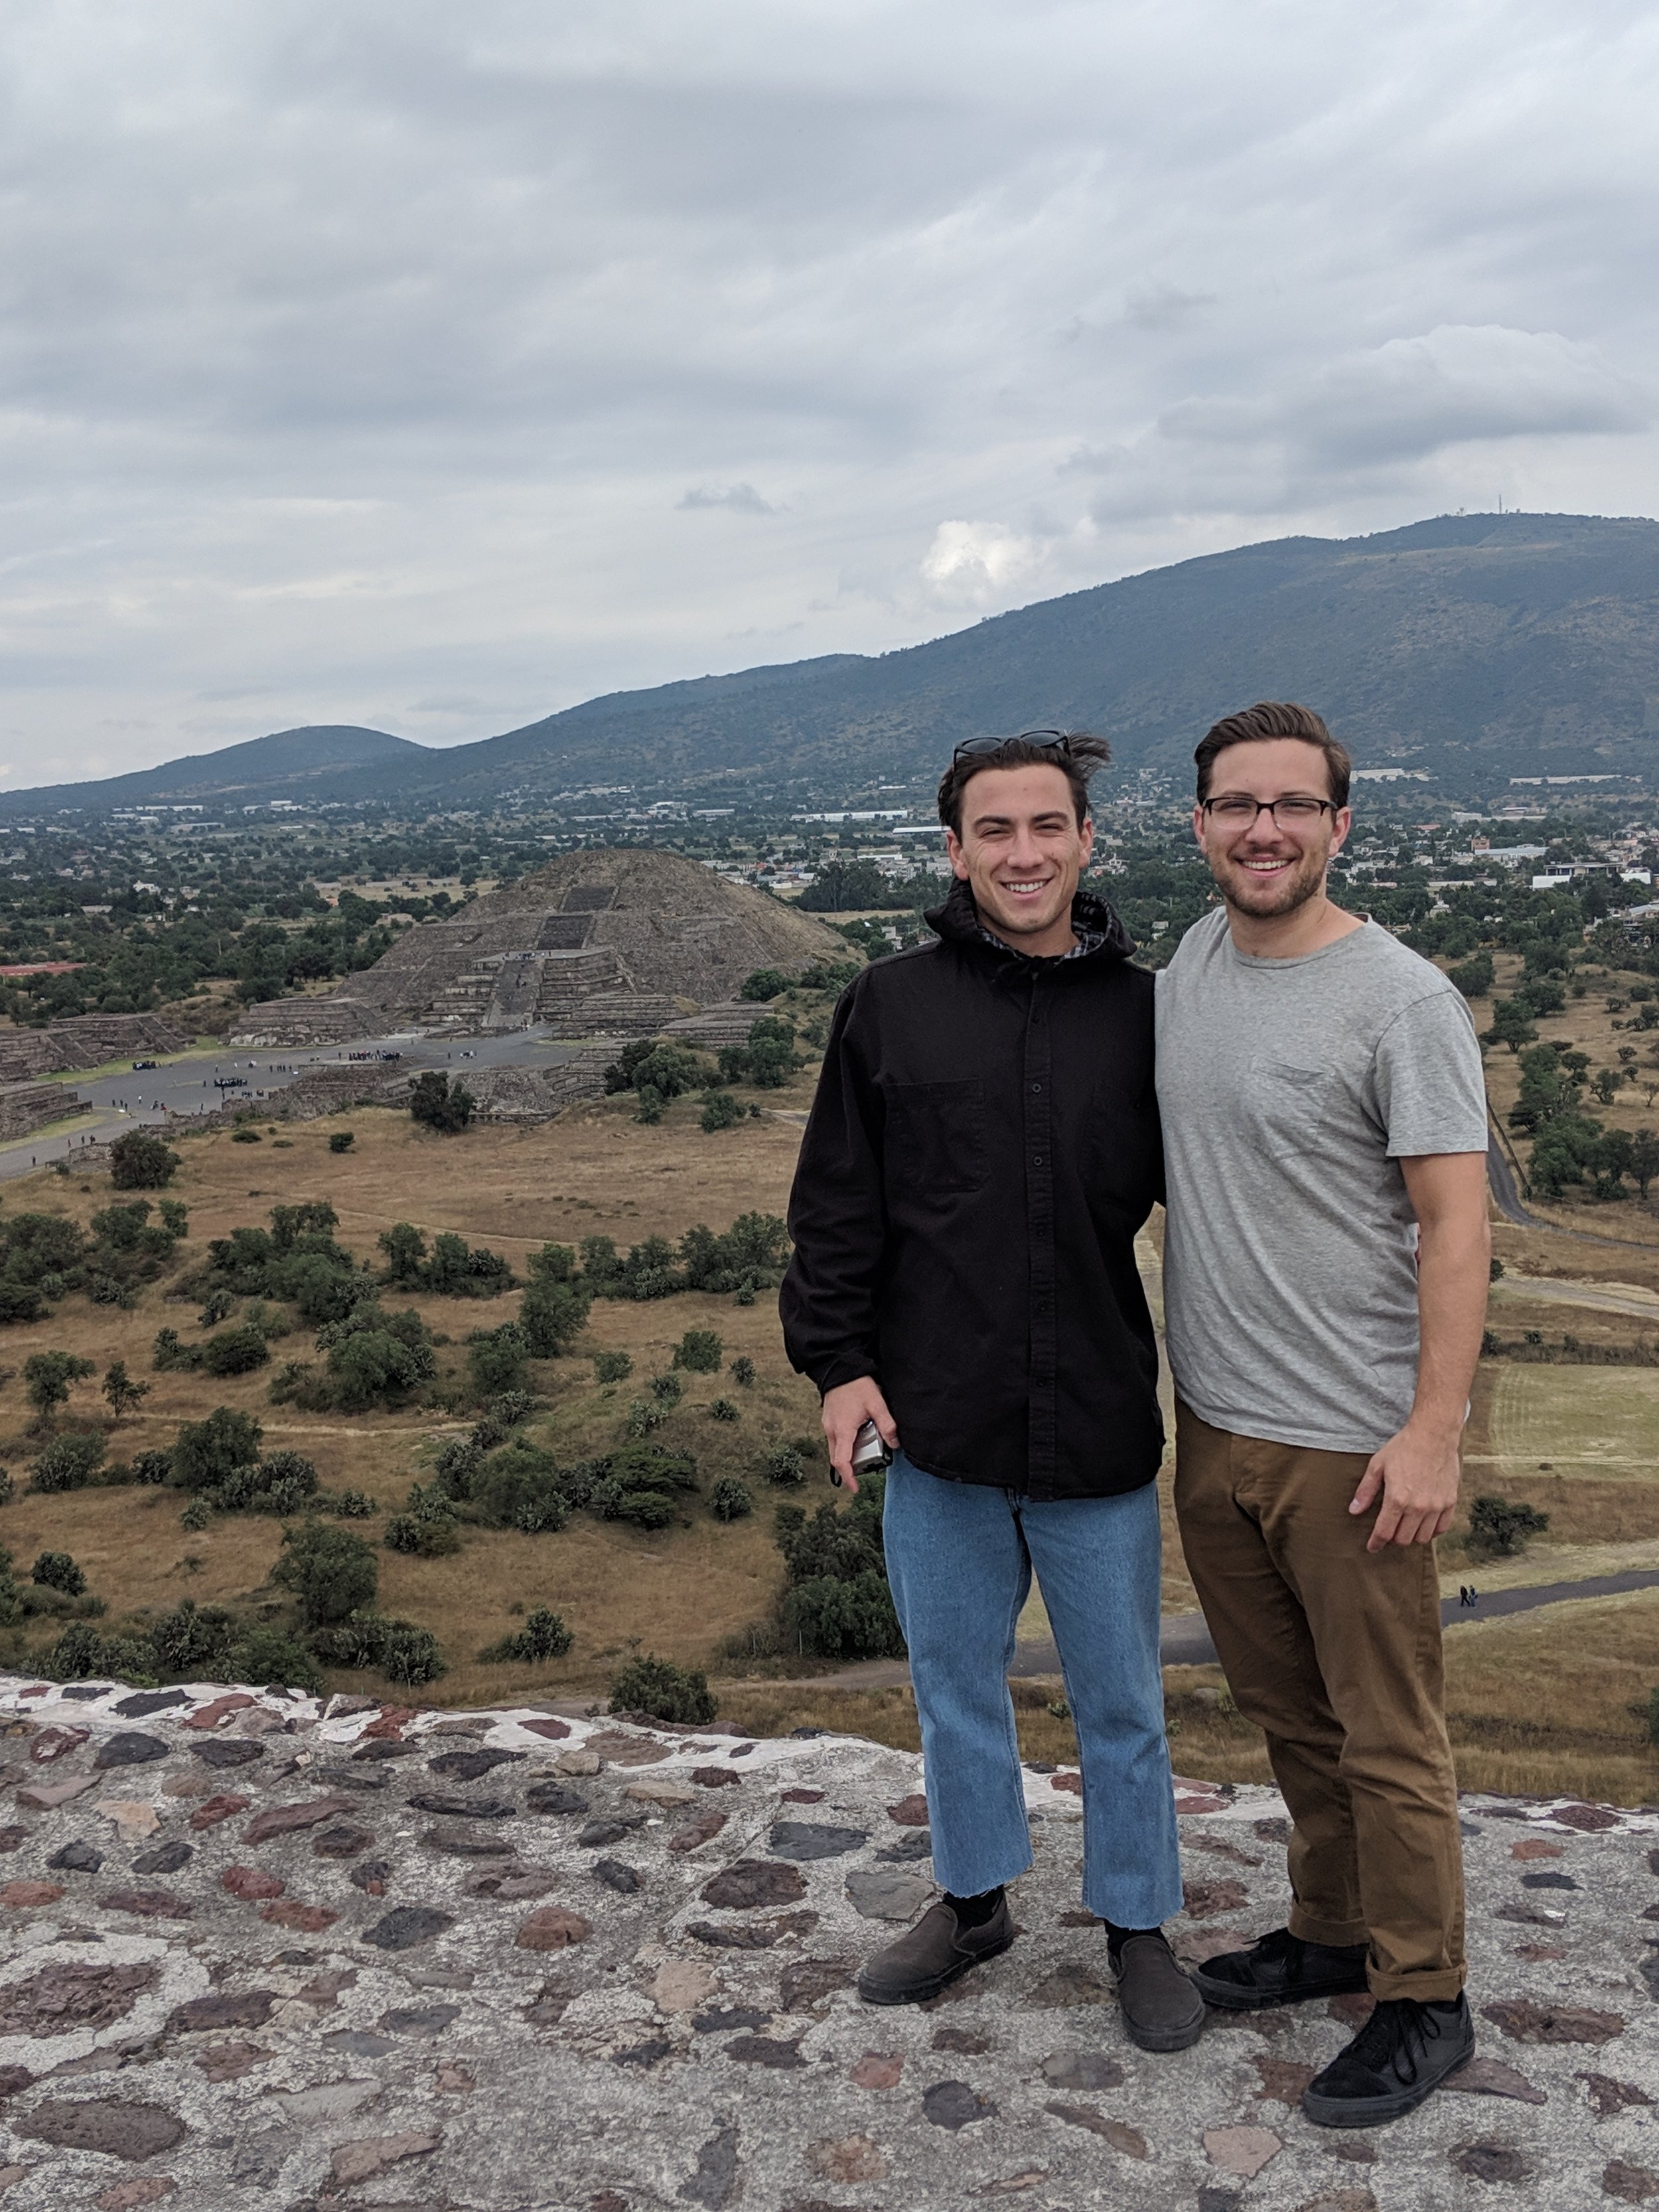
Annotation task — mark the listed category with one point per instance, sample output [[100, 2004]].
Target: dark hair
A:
[[1276, 718], [1077, 761]]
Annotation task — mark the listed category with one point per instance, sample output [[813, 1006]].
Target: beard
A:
[[1239, 888]]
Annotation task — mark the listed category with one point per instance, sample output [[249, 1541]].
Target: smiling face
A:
[[1021, 852], [1270, 868]]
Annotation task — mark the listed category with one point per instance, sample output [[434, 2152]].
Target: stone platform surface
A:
[[263, 1954]]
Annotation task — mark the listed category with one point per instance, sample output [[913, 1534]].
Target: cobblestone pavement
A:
[[265, 1954]]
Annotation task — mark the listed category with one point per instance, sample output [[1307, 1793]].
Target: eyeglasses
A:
[[1234, 809], [976, 748]]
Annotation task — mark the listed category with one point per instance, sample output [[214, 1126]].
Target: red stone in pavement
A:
[[52, 1743], [283, 1820], [309, 1919], [551, 1928], [910, 1812], [209, 1716], [212, 1810], [552, 1729], [31, 1892], [1535, 1847], [148, 1904], [252, 1882], [393, 1719]]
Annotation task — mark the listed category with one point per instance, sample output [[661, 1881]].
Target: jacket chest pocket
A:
[[1289, 1104], [936, 1137]]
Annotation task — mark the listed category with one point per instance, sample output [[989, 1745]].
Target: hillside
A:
[[287, 764], [1476, 647]]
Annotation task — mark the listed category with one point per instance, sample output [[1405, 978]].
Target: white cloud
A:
[[969, 564]]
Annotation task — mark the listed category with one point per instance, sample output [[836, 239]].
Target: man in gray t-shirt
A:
[[1325, 1276]]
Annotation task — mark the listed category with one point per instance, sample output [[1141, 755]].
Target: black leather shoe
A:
[[1162, 2010], [1280, 1969], [1401, 2055], [929, 1957]]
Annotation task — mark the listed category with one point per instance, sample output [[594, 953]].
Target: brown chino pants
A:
[[1335, 1653]]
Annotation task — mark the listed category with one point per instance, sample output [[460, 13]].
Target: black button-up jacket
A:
[[983, 1146]]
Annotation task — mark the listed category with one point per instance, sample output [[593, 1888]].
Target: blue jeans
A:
[[960, 1557]]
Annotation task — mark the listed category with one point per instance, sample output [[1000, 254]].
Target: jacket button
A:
[[1036, 1087], [1036, 1160]]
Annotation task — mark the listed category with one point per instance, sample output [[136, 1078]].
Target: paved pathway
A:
[[183, 1088]]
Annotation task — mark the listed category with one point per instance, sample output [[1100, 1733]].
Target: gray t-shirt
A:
[[1290, 1092]]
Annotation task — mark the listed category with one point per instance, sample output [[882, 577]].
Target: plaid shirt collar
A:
[[1088, 940]]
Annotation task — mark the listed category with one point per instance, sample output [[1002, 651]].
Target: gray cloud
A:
[[357, 357]]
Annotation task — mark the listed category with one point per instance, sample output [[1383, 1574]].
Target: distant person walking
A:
[[982, 1148], [1325, 1286]]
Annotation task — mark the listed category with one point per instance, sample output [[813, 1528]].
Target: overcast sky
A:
[[434, 367]]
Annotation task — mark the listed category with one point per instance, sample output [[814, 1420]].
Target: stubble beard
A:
[[1305, 885]]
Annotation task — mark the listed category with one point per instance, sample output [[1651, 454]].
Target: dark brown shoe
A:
[[929, 1957], [1162, 2010]]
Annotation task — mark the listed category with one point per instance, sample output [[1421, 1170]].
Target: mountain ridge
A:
[[1474, 646]]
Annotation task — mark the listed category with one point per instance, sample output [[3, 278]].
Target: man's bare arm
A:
[[1416, 1472]]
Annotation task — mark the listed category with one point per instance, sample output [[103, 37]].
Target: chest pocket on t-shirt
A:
[[936, 1137], [1288, 1104]]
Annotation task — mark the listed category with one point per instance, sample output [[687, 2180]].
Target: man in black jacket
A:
[[983, 1146]]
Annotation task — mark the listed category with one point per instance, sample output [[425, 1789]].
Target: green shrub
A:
[[352, 1505], [234, 1352], [500, 1416], [58, 1570], [498, 1359], [138, 1161], [653, 1686], [68, 1462], [553, 1315], [427, 1528], [1498, 1529], [723, 1409], [403, 1651], [720, 1110], [151, 1467], [743, 1372], [456, 1466], [435, 1102], [7, 1486], [764, 983], [457, 1270], [282, 1482], [834, 1620], [612, 1366], [245, 1137], [520, 1488], [342, 1140], [785, 1466], [197, 1514], [331, 1573], [167, 1351], [47, 1378], [271, 1656], [543, 1637], [207, 1452], [81, 1655], [667, 1390], [193, 1642], [730, 1499], [699, 1351]]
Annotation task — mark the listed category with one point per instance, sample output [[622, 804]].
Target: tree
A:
[[48, 1377], [68, 1462], [1498, 1528], [207, 1451], [496, 1359], [406, 1253], [121, 1394], [700, 1352], [543, 1635], [1475, 978], [552, 1315], [139, 1161], [438, 1103], [1511, 1024], [58, 1570], [1644, 1159], [331, 1573], [765, 984]]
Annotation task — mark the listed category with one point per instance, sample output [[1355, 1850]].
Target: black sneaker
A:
[[1401, 2055], [1162, 2010], [929, 1957], [1280, 1969]]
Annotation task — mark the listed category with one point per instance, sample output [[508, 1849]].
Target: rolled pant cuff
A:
[[1437, 1988], [1336, 1935]]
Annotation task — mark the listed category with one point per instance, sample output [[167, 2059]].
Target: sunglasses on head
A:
[[977, 748]]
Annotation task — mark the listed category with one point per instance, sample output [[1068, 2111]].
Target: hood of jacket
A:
[[958, 921]]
